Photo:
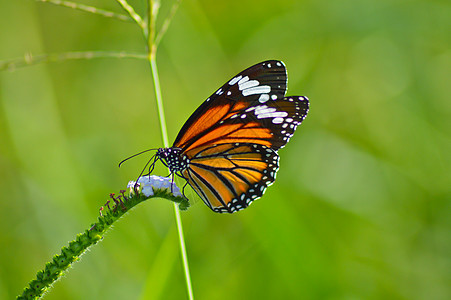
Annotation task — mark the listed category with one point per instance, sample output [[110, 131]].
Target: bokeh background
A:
[[361, 208]]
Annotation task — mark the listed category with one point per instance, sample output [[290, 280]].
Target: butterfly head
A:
[[173, 158]]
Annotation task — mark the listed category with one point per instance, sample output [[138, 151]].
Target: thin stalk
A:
[[30, 59], [166, 23], [89, 9], [132, 13], [159, 99], [153, 7], [164, 135], [178, 220]]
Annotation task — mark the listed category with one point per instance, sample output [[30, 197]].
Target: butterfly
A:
[[227, 149]]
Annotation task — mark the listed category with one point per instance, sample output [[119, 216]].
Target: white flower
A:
[[149, 183]]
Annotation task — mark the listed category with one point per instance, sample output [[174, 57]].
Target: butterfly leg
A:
[[179, 174], [183, 189], [172, 182]]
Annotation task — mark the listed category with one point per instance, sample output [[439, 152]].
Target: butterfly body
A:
[[174, 159], [227, 150]]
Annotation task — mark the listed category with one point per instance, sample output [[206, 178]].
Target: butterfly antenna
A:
[[151, 163], [137, 155]]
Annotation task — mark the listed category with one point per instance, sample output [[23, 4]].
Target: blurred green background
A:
[[361, 208]]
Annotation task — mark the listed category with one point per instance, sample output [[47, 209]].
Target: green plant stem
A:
[[166, 23], [164, 135], [30, 59], [156, 82], [178, 220], [153, 7], [120, 205], [132, 13], [89, 9]]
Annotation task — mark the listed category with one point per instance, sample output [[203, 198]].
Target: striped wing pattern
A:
[[228, 177], [256, 85]]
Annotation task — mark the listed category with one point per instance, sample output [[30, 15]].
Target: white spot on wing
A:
[[262, 89], [235, 80], [277, 114], [263, 98], [264, 111], [243, 80], [248, 84], [277, 120]]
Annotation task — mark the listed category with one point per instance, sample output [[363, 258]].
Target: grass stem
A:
[[153, 8], [89, 9], [164, 135], [29, 59], [132, 13]]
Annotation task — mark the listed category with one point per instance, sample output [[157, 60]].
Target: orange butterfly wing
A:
[[217, 117], [228, 177]]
